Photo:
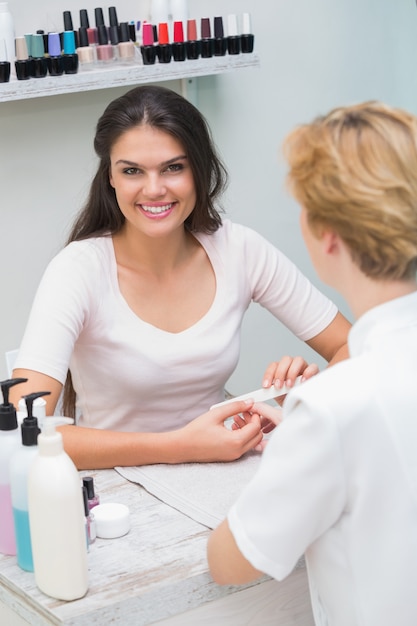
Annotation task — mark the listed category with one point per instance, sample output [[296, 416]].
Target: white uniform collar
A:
[[381, 320]]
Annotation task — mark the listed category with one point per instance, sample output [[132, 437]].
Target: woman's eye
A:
[[131, 170], [175, 167]]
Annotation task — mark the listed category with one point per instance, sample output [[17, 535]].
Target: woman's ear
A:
[[330, 241]]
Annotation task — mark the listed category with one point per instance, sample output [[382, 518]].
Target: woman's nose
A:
[[154, 186]]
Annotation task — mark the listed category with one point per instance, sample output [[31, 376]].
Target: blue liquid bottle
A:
[[9, 443], [19, 473]]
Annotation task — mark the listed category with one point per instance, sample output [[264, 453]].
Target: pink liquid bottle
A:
[[9, 444]]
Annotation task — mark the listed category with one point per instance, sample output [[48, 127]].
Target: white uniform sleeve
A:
[[298, 492]]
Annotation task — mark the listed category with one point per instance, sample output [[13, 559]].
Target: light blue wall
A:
[[314, 55]]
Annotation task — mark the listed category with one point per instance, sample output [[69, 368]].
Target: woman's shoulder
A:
[[231, 232], [86, 250], [84, 260]]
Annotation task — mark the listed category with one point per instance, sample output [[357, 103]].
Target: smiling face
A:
[[152, 179]]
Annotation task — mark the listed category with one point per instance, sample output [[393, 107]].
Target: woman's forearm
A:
[[91, 448]]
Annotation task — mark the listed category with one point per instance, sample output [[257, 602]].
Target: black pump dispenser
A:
[[30, 428], [8, 415]]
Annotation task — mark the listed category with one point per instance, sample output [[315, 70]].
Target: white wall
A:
[[314, 55]]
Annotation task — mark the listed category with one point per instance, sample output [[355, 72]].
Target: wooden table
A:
[[156, 574]]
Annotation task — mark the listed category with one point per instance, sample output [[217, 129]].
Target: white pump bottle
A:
[[56, 518]]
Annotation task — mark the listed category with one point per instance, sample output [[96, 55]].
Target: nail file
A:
[[260, 395]]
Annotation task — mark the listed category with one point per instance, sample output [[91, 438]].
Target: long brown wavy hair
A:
[[165, 110]]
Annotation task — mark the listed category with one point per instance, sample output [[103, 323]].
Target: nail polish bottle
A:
[[54, 60], [247, 39], [91, 32], [86, 53], [155, 38], [207, 43], [90, 524], [220, 42], [113, 21], [138, 35], [104, 49], [192, 46], [178, 46], [233, 38], [113, 32], [68, 25], [22, 64], [164, 47], [148, 50], [45, 41], [70, 57], [131, 27], [126, 47], [28, 38], [39, 64], [4, 63], [93, 498]]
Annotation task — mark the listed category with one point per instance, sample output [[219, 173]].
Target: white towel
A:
[[203, 491]]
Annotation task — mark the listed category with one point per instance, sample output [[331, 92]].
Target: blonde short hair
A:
[[355, 171]]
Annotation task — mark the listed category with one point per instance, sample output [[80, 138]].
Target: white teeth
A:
[[156, 209]]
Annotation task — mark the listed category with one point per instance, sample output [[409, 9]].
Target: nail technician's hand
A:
[[206, 439], [285, 371], [270, 418]]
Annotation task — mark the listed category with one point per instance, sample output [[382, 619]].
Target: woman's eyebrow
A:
[[180, 157]]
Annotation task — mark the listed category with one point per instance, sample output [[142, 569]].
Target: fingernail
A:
[[266, 383]]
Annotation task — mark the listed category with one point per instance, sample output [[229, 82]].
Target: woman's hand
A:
[[270, 418], [207, 439], [285, 372]]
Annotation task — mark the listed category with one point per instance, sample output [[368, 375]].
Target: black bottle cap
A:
[[103, 35], [83, 37], [30, 398], [84, 21], [98, 13], [4, 71], [30, 431], [113, 21], [124, 32], [68, 21], [30, 428], [8, 415], [132, 32], [114, 35], [88, 482]]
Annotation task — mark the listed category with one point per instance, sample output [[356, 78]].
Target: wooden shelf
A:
[[118, 75]]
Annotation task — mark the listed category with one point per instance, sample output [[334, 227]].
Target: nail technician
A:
[[337, 480], [144, 305]]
